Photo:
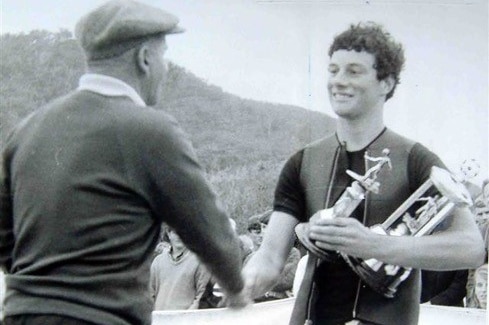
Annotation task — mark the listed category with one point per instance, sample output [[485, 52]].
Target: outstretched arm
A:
[[264, 268], [179, 194]]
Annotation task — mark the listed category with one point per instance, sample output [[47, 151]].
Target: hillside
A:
[[225, 125], [241, 143]]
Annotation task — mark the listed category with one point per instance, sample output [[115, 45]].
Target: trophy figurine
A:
[[347, 202], [385, 278]]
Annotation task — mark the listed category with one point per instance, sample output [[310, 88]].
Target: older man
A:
[[364, 69], [87, 180]]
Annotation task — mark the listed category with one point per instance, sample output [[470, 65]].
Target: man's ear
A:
[[387, 84], [142, 59]]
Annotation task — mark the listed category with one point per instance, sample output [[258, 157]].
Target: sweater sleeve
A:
[[178, 193], [6, 212], [202, 278]]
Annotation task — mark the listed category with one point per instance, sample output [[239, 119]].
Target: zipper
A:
[[328, 196], [354, 312], [309, 301], [364, 221], [332, 177]]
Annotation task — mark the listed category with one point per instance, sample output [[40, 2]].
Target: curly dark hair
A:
[[372, 38]]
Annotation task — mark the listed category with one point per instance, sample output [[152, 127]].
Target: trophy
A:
[[404, 221], [346, 203], [385, 278]]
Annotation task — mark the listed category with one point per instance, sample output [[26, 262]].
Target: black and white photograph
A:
[[244, 161]]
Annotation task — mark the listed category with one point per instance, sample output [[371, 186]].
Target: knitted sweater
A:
[[177, 284], [85, 183]]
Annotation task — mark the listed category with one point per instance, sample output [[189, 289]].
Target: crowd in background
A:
[[180, 281]]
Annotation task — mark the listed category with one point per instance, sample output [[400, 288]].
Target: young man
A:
[[87, 180], [178, 279], [364, 68]]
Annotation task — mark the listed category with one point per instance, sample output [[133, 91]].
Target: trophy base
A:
[[381, 277]]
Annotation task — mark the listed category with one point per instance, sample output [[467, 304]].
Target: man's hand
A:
[[236, 301], [259, 278], [346, 235]]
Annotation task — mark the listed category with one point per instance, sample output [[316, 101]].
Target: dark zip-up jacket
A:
[[317, 163]]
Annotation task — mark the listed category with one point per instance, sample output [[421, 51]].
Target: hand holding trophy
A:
[[385, 278], [346, 203], [382, 277]]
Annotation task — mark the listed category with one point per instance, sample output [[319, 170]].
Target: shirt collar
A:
[[109, 86]]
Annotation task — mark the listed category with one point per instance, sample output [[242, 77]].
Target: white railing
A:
[[278, 313]]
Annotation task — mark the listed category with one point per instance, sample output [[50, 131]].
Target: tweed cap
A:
[[120, 25]]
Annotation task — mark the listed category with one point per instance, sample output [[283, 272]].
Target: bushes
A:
[[246, 190]]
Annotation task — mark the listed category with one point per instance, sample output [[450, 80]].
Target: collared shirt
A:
[[109, 86]]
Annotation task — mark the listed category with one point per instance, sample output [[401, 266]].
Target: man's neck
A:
[[357, 134], [117, 73]]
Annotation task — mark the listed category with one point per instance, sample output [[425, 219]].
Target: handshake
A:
[[234, 300]]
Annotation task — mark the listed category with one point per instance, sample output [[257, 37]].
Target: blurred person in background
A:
[[476, 285], [480, 290], [178, 279], [477, 288]]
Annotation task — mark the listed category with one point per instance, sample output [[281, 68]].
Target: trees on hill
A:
[[34, 68]]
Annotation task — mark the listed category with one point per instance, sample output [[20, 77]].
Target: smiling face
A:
[[353, 86]]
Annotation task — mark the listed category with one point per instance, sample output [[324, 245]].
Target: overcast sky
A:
[[275, 51]]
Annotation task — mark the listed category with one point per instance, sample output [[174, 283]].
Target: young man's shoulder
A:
[[327, 139]]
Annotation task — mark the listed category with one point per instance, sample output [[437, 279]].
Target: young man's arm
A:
[[458, 246], [287, 276], [264, 268]]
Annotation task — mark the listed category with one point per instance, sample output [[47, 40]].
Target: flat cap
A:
[[120, 25]]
